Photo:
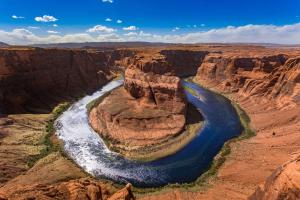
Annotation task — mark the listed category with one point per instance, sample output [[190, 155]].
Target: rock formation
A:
[[152, 108], [265, 81], [80, 189], [267, 76], [36, 79], [284, 183]]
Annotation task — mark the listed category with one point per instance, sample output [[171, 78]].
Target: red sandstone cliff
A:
[[265, 76], [33, 79]]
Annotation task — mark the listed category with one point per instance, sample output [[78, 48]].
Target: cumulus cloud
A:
[[287, 34], [17, 17], [130, 28], [100, 28], [33, 27], [45, 18], [119, 21], [52, 32], [175, 29], [55, 25], [108, 19], [131, 34], [107, 1]]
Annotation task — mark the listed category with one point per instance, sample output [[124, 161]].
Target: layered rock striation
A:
[[78, 189], [34, 80], [263, 76]]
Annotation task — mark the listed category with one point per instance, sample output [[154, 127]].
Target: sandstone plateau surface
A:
[[265, 82]]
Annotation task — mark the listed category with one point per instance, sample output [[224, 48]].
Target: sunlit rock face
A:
[[284, 183], [273, 77]]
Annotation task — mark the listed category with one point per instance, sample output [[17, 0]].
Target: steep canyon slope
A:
[[265, 82]]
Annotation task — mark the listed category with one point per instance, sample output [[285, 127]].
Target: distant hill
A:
[[2, 44], [101, 45]]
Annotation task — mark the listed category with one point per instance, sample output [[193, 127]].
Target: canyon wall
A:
[[269, 77], [34, 80]]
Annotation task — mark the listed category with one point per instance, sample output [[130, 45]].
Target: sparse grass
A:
[[190, 90], [169, 147], [49, 146]]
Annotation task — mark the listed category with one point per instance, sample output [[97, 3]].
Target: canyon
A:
[[265, 82]]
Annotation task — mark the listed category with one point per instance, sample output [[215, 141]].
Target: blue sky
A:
[[188, 21]]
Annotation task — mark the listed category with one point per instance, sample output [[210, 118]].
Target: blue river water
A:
[[88, 150]]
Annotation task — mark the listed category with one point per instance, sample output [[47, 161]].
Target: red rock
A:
[[284, 183], [37, 79]]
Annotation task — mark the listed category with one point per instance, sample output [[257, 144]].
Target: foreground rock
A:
[[80, 189], [284, 183]]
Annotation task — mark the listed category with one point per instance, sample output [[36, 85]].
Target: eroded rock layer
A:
[[284, 183], [274, 77], [80, 189], [264, 81], [36, 79]]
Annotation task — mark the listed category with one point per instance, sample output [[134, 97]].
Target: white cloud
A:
[[119, 21], [175, 29], [131, 34], [17, 17], [130, 28], [55, 25], [108, 19], [52, 32], [287, 34], [45, 18], [107, 1], [100, 28], [33, 27]]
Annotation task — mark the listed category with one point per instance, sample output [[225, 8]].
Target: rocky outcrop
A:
[[283, 184], [80, 189], [180, 63], [267, 76], [151, 109], [132, 124], [36, 79]]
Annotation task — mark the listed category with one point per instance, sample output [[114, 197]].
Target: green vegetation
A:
[[49, 146], [190, 90]]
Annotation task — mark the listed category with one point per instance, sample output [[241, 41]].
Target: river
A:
[[88, 150]]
